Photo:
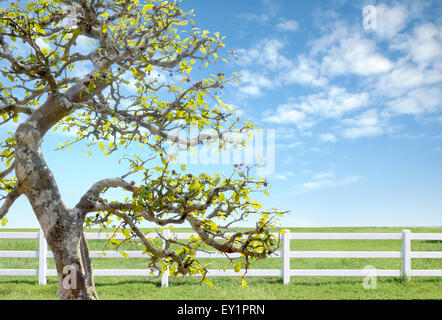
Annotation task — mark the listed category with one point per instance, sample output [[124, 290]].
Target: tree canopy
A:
[[48, 81]]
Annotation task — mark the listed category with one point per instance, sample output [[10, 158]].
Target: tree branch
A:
[[10, 199], [7, 171], [89, 201]]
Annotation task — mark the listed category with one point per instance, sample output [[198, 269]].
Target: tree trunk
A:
[[63, 227], [87, 263], [75, 280], [65, 241]]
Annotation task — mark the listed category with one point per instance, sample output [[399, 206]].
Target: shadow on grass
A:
[[152, 282], [18, 281], [176, 282]]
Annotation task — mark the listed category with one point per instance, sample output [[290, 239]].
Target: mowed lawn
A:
[[260, 288]]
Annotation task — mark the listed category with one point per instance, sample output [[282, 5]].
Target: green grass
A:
[[260, 288]]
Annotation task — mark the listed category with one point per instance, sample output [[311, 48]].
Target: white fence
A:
[[286, 254]]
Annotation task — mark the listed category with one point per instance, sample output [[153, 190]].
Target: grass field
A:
[[260, 288]]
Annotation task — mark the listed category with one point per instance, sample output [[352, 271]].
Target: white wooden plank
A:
[[165, 276], [42, 258], [18, 235], [250, 273], [426, 236], [216, 255], [345, 254], [286, 257], [426, 273], [406, 255], [182, 236], [18, 254], [103, 236], [122, 272], [427, 254], [139, 254], [116, 254], [18, 272], [211, 272], [342, 273], [53, 273], [346, 236]]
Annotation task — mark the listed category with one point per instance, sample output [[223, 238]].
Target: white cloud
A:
[[367, 124], [284, 176], [390, 20], [327, 137], [266, 53], [271, 10], [329, 182], [334, 103], [423, 46], [253, 83], [402, 76], [323, 175], [290, 145], [364, 131], [287, 25], [261, 18], [418, 101], [287, 114], [305, 71], [354, 55]]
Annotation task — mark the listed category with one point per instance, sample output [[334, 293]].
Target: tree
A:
[[133, 43]]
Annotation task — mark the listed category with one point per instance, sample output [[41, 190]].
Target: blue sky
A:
[[357, 112]]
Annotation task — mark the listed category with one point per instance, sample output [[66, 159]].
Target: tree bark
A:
[[63, 227], [87, 263], [64, 239]]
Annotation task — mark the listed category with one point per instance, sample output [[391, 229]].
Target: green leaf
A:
[[146, 8], [173, 88], [38, 29], [208, 282], [200, 99], [126, 233], [255, 204]]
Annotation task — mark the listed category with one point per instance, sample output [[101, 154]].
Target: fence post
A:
[[286, 257], [42, 258], [406, 255], [165, 275]]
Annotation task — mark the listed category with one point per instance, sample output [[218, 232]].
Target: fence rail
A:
[[286, 254]]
